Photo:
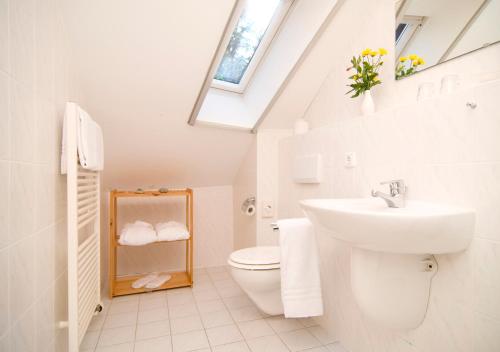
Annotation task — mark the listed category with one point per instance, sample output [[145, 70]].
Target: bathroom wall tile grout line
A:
[[13, 244]]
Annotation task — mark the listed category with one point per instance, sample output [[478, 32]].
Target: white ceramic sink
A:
[[369, 223]]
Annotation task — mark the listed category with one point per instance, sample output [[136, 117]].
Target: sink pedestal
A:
[[392, 289]]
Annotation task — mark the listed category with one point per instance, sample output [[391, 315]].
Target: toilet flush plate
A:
[[307, 168]]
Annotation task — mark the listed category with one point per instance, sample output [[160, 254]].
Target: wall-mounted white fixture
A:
[[300, 126], [307, 168], [471, 105], [248, 206], [392, 261], [267, 208], [350, 160]]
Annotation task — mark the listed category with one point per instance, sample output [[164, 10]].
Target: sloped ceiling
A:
[[310, 76], [140, 66]]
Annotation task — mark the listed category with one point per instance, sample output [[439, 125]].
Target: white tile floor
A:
[[213, 316]]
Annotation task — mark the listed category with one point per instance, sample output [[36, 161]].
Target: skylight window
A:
[[405, 31], [400, 30], [256, 26]]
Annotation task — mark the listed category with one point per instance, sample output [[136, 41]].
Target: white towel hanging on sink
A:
[[300, 279]]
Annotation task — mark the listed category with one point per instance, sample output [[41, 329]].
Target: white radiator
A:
[[83, 195]]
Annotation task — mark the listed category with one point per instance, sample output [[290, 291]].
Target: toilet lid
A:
[[263, 255]]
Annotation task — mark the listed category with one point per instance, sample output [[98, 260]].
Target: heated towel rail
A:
[[83, 219]]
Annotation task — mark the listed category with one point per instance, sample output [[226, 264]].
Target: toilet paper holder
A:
[[248, 206]]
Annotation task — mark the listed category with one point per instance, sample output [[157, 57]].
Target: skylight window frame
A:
[[414, 24], [273, 28]]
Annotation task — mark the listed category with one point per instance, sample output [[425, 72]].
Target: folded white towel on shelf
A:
[[171, 231], [138, 233], [300, 280]]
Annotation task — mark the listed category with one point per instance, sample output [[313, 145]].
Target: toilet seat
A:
[[256, 258]]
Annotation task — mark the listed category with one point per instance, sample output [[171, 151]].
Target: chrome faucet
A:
[[396, 197]]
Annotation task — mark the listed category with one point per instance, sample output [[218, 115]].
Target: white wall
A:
[[267, 183], [258, 177], [446, 152], [484, 29], [141, 66], [214, 212], [245, 186], [34, 85]]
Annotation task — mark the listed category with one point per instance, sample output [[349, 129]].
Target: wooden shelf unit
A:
[[119, 286]]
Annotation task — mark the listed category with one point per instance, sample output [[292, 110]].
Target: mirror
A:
[[430, 32]]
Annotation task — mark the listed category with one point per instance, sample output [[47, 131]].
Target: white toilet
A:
[[257, 271]]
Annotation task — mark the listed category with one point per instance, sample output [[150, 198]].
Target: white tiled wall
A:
[[446, 153], [267, 182], [34, 84], [258, 177], [245, 186]]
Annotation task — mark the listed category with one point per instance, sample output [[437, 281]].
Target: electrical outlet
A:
[[350, 159]]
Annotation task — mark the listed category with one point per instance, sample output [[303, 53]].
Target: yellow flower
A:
[[382, 51], [421, 61], [415, 62], [373, 54], [403, 59], [366, 52], [413, 57]]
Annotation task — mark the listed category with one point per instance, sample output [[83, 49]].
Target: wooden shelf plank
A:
[[152, 193], [157, 242], [123, 285]]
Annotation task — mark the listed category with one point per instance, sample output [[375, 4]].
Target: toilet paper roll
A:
[[250, 210]]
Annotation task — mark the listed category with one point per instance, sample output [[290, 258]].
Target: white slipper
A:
[[158, 281], [143, 281]]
